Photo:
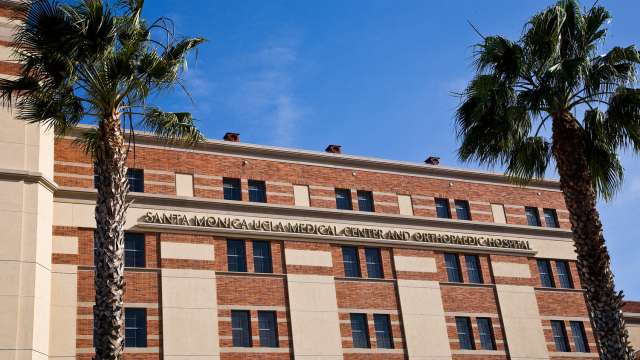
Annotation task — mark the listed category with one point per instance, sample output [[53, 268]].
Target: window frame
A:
[[365, 197], [465, 321], [343, 196], [563, 270], [470, 270], [362, 334], [355, 263], [450, 270], [229, 188], [138, 254], [244, 338], [547, 263], [267, 259], [487, 340], [270, 334], [135, 178], [560, 340], [241, 263], [462, 207], [382, 328], [378, 271], [532, 211], [140, 330], [553, 214], [444, 204], [257, 191], [579, 336]]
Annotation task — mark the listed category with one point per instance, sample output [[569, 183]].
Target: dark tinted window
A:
[[374, 263], [240, 328], [442, 208], [462, 210], [268, 328], [360, 331], [257, 191], [465, 336], [382, 324], [564, 275], [262, 257], [473, 269], [236, 256], [133, 250], [231, 188], [350, 261], [533, 218], [136, 180], [452, 265], [551, 218], [135, 327], [560, 336], [365, 201], [485, 330], [579, 338], [343, 199], [546, 276]]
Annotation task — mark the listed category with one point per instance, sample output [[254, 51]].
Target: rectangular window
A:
[[579, 338], [382, 324], [560, 336], [533, 218], [442, 208], [136, 180], [232, 189], [546, 276], [268, 328], [343, 199], [365, 201], [350, 261], [452, 264], [462, 210], [473, 269], [485, 329], [135, 327], [257, 191], [551, 218], [465, 336], [374, 263], [240, 328], [134, 250], [360, 331], [262, 257], [236, 258], [564, 275]]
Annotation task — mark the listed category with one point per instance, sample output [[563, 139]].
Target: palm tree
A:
[[98, 62], [552, 72]]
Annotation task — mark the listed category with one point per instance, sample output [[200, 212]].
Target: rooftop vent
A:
[[334, 149], [433, 160], [231, 136]]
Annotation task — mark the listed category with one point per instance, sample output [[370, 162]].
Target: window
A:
[[268, 328], [564, 275], [136, 180], [473, 269], [382, 324], [240, 328], [579, 338], [350, 261], [135, 327], [452, 264], [560, 336], [231, 188], [262, 257], [343, 199], [462, 210], [257, 191], [551, 218], [365, 201], [374, 263], [442, 208], [465, 337], [485, 329], [236, 256], [546, 277], [360, 331], [533, 218], [133, 250]]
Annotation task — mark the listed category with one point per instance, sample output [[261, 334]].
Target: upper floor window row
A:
[[241, 335], [454, 271], [134, 176], [562, 271], [360, 331], [237, 258], [443, 209], [232, 190], [578, 341], [533, 217], [465, 333], [134, 249], [351, 262], [344, 202]]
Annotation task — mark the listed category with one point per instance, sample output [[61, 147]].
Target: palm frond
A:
[[173, 126], [623, 118], [88, 142], [528, 160], [606, 170]]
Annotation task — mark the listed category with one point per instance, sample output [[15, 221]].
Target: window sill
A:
[[451, 283], [250, 274], [363, 279], [543, 288]]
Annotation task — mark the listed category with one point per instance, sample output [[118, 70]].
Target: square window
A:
[[360, 331], [240, 328], [462, 210], [473, 269], [343, 199], [136, 180], [533, 218], [560, 336], [135, 327], [351, 261], [564, 274], [262, 257], [268, 328], [374, 263], [382, 324], [257, 191], [365, 201], [452, 265], [485, 329], [546, 276], [231, 189], [236, 258], [442, 208], [579, 338], [465, 336], [551, 218], [134, 250]]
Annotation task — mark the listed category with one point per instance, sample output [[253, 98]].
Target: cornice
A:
[[28, 177], [335, 160], [178, 203]]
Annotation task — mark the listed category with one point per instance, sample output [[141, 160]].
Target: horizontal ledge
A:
[[29, 177]]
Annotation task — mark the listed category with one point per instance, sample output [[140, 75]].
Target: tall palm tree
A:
[[547, 76], [98, 62]]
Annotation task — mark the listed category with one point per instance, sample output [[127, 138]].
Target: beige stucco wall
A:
[[189, 314], [315, 325], [522, 323], [497, 210], [186, 251], [634, 332], [554, 249], [404, 203], [424, 321], [64, 308], [415, 264], [301, 195], [308, 257], [184, 184], [507, 269]]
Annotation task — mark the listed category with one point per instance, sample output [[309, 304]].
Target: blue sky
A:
[[374, 76]]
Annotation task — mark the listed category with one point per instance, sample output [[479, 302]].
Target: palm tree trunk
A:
[[111, 205], [593, 259]]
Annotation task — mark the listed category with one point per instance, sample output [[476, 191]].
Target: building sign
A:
[[305, 228]]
